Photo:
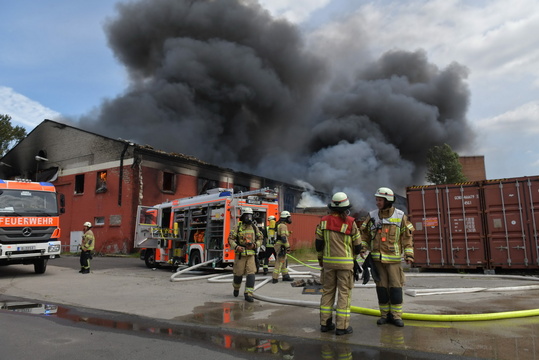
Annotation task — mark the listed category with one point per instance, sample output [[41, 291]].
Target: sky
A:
[[56, 61]]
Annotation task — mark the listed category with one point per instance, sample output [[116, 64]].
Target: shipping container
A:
[[490, 224], [303, 230], [448, 226], [509, 206]]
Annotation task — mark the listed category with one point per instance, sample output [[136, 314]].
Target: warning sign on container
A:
[[433, 221]]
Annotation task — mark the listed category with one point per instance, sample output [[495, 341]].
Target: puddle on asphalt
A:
[[212, 325], [204, 330]]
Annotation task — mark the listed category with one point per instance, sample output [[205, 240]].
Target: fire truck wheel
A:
[[149, 259], [40, 265], [194, 258]]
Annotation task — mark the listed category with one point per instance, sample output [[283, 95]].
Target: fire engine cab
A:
[[193, 230]]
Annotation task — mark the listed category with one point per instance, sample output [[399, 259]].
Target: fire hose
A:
[[411, 292]]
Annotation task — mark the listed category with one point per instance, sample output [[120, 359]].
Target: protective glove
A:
[[357, 270], [409, 258], [321, 262]]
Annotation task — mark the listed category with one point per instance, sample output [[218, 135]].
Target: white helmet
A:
[[285, 214], [271, 217], [246, 210], [88, 224], [339, 201], [386, 193]]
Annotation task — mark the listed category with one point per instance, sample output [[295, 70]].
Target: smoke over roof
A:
[[226, 82]]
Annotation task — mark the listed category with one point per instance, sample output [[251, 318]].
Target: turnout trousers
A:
[[280, 265], [389, 289], [333, 281], [244, 265]]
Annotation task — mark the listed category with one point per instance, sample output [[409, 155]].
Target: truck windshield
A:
[[27, 202]]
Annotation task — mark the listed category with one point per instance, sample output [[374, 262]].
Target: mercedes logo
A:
[[27, 231]]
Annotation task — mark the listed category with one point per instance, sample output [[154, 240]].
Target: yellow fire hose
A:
[[444, 317]]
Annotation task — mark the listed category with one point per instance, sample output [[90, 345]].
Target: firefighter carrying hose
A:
[[387, 233], [245, 238]]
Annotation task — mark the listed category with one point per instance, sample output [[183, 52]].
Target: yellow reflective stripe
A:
[[342, 312], [248, 252], [338, 260], [326, 309], [344, 227], [393, 258]]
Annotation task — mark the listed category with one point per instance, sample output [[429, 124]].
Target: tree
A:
[[443, 166], [9, 135]]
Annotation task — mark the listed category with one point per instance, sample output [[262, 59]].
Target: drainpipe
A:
[[120, 180]]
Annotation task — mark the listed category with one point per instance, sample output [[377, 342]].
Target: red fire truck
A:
[[193, 230]]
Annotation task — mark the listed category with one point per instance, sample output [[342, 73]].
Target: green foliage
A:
[[9, 135], [443, 166]]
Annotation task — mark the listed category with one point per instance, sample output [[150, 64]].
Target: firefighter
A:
[[86, 247], [337, 243], [387, 234], [282, 248], [269, 244], [245, 238]]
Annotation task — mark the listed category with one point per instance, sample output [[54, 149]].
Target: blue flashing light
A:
[[225, 193]]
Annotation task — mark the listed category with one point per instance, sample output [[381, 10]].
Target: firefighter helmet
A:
[[386, 193], [285, 214], [88, 224], [339, 201], [271, 217], [246, 210]]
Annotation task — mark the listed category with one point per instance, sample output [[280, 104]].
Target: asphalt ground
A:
[[125, 285]]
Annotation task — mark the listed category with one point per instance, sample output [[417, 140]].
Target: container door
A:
[[463, 225], [425, 206], [532, 201], [505, 210]]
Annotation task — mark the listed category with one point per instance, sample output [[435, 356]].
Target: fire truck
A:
[[193, 230], [29, 223]]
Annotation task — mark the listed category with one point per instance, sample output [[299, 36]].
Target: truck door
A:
[[147, 227]]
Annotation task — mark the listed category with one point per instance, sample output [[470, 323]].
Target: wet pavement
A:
[[205, 309]]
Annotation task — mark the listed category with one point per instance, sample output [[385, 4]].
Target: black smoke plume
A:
[[224, 81]]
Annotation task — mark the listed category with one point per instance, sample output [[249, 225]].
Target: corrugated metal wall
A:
[[303, 228], [487, 224]]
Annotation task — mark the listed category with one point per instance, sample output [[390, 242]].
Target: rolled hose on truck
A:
[[374, 312]]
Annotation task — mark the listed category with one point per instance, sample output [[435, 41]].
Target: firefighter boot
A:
[[395, 297], [328, 327], [346, 331], [236, 282], [249, 287], [286, 277], [383, 303]]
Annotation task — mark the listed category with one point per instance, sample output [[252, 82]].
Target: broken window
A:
[[101, 183], [169, 181], [79, 184], [205, 185]]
